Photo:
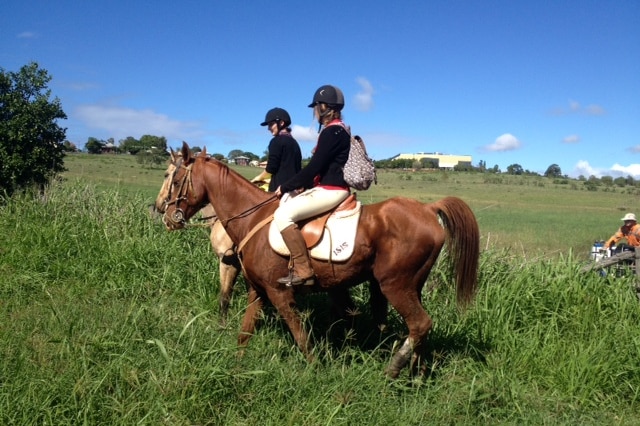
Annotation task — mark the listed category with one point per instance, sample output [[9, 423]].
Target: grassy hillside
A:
[[529, 215]]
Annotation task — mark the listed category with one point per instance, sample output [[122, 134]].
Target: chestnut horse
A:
[[342, 306], [397, 243]]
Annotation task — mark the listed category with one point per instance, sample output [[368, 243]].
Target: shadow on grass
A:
[[347, 339]]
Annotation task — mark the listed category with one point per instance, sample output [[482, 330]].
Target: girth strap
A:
[[250, 235]]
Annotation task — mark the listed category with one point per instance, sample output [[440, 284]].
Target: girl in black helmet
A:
[[285, 158], [323, 175]]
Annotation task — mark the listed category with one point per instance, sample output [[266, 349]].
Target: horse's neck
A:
[[233, 199]]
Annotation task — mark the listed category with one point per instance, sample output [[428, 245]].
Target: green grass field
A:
[[530, 215], [107, 318]]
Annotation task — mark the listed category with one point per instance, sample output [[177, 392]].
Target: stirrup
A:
[[292, 280]]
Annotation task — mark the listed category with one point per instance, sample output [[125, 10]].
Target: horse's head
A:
[[165, 190], [177, 198]]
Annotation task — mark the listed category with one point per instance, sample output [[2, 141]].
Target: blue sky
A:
[[533, 83]]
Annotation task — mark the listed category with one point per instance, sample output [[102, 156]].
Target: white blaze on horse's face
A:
[[165, 190]]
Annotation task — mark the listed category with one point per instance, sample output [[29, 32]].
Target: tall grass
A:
[[106, 318]]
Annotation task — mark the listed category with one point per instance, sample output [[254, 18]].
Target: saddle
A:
[[328, 236], [313, 227]]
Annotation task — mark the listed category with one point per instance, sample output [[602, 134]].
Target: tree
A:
[[94, 145], [31, 141], [69, 146], [607, 180], [553, 171], [514, 169], [429, 163], [620, 181], [149, 142], [130, 145]]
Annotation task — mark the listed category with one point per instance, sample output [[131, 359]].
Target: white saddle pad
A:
[[337, 241]]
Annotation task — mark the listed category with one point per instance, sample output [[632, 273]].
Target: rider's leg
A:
[[300, 266], [307, 204]]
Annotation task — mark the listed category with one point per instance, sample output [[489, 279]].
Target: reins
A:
[[250, 210]]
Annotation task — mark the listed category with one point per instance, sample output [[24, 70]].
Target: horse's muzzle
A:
[[175, 220]]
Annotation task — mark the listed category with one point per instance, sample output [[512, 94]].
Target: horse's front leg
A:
[[284, 302], [254, 308], [229, 270], [229, 266]]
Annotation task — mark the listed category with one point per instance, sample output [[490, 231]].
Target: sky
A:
[[533, 83]]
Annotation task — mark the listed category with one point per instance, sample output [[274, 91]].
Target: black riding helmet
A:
[[330, 95], [277, 114]]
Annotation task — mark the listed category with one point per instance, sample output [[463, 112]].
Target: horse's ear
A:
[[186, 153], [174, 155], [204, 152]]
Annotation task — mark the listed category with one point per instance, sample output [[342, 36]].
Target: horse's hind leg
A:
[[379, 305], [342, 306], [418, 322]]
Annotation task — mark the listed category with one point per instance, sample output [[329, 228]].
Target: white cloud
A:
[[576, 108], [81, 87], [120, 122], [363, 100], [585, 169], [506, 142], [631, 169], [301, 133], [574, 105], [594, 110], [571, 139], [27, 34]]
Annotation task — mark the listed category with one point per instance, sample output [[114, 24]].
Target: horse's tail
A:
[[463, 240]]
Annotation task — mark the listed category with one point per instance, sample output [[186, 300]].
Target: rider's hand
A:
[[278, 192]]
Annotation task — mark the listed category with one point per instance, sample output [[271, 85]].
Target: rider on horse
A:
[[322, 179]]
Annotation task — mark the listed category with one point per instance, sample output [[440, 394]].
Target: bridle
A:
[[186, 185]]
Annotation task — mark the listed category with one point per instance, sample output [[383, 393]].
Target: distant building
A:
[[445, 161], [241, 160], [109, 148]]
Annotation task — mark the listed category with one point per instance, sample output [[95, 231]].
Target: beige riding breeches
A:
[[306, 204]]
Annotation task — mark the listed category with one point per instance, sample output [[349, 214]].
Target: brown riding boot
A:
[[301, 273]]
